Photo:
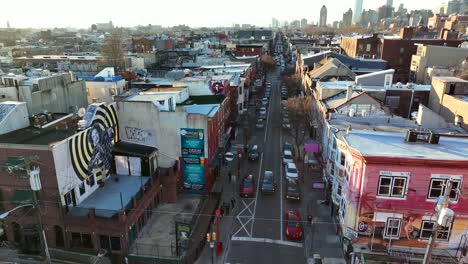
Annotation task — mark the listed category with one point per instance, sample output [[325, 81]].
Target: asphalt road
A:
[[258, 233]]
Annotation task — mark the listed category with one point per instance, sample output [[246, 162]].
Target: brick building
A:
[[97, 190], [397, 51], [249, 50]]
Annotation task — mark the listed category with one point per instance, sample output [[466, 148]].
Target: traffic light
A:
[[208, 237], [213, 236]]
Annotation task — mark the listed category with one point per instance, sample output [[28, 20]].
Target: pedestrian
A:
[[230, 176], [233, 202]]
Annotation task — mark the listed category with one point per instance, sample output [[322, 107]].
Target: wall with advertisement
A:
[[193, 159]]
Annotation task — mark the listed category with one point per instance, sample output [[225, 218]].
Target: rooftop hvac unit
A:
[[434, 138]]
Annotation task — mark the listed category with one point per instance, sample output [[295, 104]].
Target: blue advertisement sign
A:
[[193, 159], [192, 142]]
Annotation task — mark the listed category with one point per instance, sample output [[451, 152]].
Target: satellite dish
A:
[[81, 112]]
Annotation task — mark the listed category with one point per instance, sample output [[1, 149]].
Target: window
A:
[[390, 186], [332, 169], [115, 243], [443, 232], [392, 227], [402, 50], [426, 229], [82, 188], [368, 47], [393, 101], [342, 158], [437, 188], [338, 189]]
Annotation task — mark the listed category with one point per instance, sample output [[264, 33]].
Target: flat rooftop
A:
[[384, 144], [115, 195], [208, 109], [450, 79], [403, 87], [37, 136], [148, 97]]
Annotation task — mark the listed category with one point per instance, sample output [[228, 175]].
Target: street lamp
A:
[[5, 214]]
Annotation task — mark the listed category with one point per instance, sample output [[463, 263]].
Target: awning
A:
[[22, 197]]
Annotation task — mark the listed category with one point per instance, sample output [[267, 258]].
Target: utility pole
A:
[[433, 238], [43, 239]]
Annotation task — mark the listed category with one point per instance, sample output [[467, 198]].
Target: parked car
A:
[[288, 146], [264, 101], [259, 123], [263, 116], [293, 225], [293, 191], [247, 187], [286, 124], [269, 84], [287, 157], [267, 94], [268, 183], [263, 110], [253, 153], [291, 170], [316, 259]]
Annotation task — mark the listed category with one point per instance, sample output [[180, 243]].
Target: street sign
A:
[[229, 156]]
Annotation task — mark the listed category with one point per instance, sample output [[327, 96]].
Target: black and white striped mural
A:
[[91, 149]]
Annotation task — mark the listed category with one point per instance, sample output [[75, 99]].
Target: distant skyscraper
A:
[[347, 18], [389, 3], [303, 23], [274, 23], [8, 24], [323, 16], [357, 11]]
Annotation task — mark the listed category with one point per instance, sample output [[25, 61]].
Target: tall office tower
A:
[[357, 11], [323, 16]]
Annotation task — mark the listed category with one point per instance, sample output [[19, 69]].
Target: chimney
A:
[[349, 92], [406, 33]]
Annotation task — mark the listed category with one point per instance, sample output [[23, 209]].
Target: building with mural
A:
[[392, 182], [97, 189]]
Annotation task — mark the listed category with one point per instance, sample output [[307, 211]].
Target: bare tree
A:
[[113, 50], [301, 118], [293, 83], [268, 62]]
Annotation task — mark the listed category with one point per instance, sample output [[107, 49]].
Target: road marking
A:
[[245, 220], [256, 194], [268, 240]]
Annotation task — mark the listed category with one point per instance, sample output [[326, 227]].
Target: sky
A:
[[209, 13]]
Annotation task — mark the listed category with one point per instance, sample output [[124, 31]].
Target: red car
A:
[[293, 225], [247, 187]]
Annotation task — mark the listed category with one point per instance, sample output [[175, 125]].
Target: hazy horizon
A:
[[54, 13]]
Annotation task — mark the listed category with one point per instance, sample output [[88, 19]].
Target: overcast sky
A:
[[196, 13]]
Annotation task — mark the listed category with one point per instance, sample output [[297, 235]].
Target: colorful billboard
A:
[[193, 159]]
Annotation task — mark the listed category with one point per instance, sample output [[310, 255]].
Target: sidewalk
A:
[[225, 227], [321, 237]]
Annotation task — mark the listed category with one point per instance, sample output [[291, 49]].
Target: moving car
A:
[[287, 157], [259, 123], [293, 191], [291, 170], [253, 153], [247, 187], [293, 225], [268, 183]]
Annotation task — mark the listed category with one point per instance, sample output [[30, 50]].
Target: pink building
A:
[[392, 183]]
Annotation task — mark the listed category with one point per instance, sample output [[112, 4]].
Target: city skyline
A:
[[39, 14]]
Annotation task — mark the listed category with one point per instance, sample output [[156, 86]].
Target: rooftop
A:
[[38, 136], [384, 144], [115, 195], [59, 57], [449, 79], [366, 88], [149, 97], [208, 109], [203, 100]]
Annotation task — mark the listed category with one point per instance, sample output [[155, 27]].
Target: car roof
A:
[[268, 173], [254, 147], [293, 214], [291, 165], [287, 152]]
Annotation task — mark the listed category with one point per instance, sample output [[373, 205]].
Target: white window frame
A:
[[449, 230], [397, 236], [392, 185], [445, 178], [422, 229]]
